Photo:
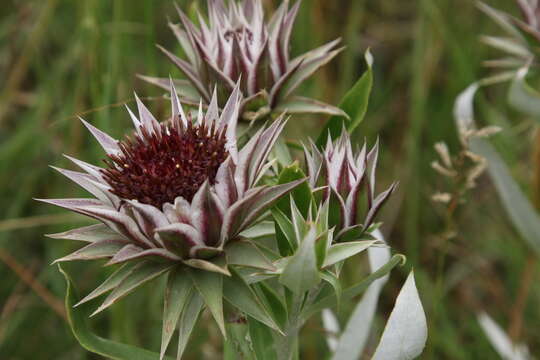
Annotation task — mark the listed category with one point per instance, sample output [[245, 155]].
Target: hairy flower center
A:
[[156, 169]]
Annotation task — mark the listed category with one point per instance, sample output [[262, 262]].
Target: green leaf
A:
[[238, 293], [141, 275], [342, 251], [285, 237], [237, 345], [302, 197], [261, 340], [210, 286], [282, 153], [207, 266], [273, 302], [177, 293], [519, 209], [96, 250], [333, 280], [405, 333], [517, 206], [187, 321], [354, 103], [524, 98], [302, 194], [327, 301], [112, 281], [303, 105], [77, 320], [259, 230], [301, 273], [245, 253]]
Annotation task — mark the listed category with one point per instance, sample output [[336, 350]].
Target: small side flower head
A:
[[347, 176]]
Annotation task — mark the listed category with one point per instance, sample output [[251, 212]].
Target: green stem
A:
[[287, 343]]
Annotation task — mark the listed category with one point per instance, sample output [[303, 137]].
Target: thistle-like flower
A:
[[175, 195], [238, 45], [347, 177]]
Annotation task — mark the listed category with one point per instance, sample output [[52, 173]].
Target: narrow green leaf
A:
[[523, 97], [282, 153], [327, 301], [210, 286], [354, 103], [342, 251], [207, 266], [273, 302], [518, 207], [177, 293], [245, 253], [285, 237], [303, 105], [77, 319], [301, 273], [237, 345], [112, 281], [146, 272], [238, 293], [259, 230], [332, 279], [187, 321], [261, 340], [301, 194], [96, 250]]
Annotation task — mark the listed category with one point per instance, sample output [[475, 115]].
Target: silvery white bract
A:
[[236, 44], [175, 199], [347, 177]]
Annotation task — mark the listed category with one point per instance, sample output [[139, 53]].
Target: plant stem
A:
[[287, 343]]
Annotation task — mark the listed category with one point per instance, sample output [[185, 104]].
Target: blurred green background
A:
[[63, 58]]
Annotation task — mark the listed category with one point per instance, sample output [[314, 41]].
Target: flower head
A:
[[178, 191], [348, 176], [236, 44]]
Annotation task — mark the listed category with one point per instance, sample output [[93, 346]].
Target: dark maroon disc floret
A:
[[156, 168]]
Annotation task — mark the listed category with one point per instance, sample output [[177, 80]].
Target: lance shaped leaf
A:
[[238, 293], [97, 250], [355, 335], [77, 320], [245, 253], [210, 286], [177, 294], [331, 326], [146, 272], [300, 104], [187, 321], [354, 104], [261, 338], [518, 207], [405, 333], [326, 301], [342, 251], [500, 341], [523, 97], [301, 273], [91, 233]]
